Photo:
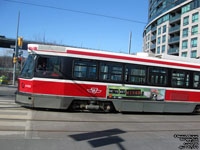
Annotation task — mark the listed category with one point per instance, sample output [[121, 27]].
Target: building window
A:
[[164, 4], [165, 18], [159, 31], [163, 48], [158, 50], [184, 54], [159, 40], [185, 32], [185, 21], [194, 42], [185, 9], [185, 44], [148, 36], [194, 30], [160, 21], [193, 54], [163, 38], [195, 17], [164, 28]]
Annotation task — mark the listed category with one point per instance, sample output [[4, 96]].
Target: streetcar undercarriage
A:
[[105, 105], [92, 105]]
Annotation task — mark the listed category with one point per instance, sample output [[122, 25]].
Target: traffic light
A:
[[14, 59], [19, 60], [20, 42]]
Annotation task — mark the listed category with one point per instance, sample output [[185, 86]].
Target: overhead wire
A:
[[87, 13], [77, 11]]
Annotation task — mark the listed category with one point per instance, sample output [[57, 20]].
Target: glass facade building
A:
[[170, 24], [158, 7]]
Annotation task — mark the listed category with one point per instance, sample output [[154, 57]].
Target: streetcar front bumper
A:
[[43, 101], [24, 99]]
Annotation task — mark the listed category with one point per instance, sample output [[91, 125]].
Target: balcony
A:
[[154, 29], [173, 51], [153, 46], [175, 18], [153, 38], [174, 40], [174, 29]]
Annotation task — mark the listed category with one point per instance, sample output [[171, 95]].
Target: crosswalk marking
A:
[[10, 133], [11, 123], [8, 104], [14, 119], [23, 110], [8, 101]]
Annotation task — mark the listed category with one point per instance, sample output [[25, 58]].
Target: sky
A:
[[63, 22]]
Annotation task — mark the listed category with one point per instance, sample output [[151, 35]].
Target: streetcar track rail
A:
[[86, 131], [94, 121]]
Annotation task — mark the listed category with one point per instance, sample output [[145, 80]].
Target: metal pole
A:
[[129, 49], [16, 50]]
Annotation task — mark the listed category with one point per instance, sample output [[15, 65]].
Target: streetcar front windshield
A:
[[27, 71]]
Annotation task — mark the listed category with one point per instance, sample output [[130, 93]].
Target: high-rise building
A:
[[173, 28]]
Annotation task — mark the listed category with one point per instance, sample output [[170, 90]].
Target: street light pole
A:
[[129, 48], [16, 50]]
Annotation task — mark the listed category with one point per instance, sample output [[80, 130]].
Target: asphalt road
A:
[[27, 129], [7, 92]]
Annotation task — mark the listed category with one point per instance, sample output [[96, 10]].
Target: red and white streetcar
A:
[[66, 77]]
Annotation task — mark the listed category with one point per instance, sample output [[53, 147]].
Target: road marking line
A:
[[7, 100], [14, 117], [11, 123], [4, 133], [13, 110], [27, 134], [7, 103]]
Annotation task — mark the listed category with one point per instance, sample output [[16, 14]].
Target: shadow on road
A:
[[101, 138]]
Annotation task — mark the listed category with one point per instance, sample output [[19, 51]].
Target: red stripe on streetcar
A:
[[173, 95], [131, 58], [63, 89], [33, 48], [89, 90]]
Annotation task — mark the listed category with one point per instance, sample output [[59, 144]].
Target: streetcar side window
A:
[[196, 80], [180, 78], [111, 72], [27, 71], [158, 76], [135, 74], [48, 67], [84, 69]]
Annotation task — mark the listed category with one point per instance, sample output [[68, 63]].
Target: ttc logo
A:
[[94, 90]]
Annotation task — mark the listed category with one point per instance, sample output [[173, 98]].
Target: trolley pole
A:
[[130, 37], [16, 51]]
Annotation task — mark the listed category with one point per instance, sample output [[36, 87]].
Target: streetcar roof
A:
[[163, 61]]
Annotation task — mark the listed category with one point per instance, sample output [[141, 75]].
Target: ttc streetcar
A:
[[61, 77]]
